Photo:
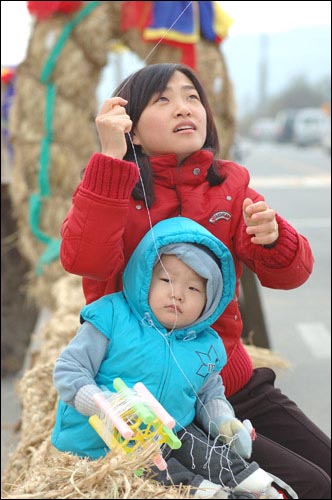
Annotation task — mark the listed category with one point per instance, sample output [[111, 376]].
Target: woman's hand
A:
[[113, 123], [260, 221]]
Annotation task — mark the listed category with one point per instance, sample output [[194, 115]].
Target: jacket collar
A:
[[192, 171]]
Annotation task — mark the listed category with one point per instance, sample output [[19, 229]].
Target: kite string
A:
[[139, 172], [158, 43], [151, 226]]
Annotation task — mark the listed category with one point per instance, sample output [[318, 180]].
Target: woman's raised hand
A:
[[260, 221], [113, 123]]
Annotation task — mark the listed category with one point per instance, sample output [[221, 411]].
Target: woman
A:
[[158, 159]]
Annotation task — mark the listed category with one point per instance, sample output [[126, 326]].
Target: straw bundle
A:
[[83, 54], [71, 125], [62, 178], [59, 475], [213, 72], [262, 357], [67, 300], [70, 130], [67, 294], [96, 33]]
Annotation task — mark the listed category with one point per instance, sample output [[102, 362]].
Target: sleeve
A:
[[211, 402], [286, 265], [92, 233], [79, 363]]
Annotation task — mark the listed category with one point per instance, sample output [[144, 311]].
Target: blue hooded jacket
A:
[[172, 365]]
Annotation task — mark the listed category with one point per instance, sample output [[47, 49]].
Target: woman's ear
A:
[[135, 139]]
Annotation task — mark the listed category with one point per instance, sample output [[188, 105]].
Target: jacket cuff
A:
[[282, 253], [110, 177], [84, 402]]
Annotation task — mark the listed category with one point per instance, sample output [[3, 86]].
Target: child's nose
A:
[[177, 294]]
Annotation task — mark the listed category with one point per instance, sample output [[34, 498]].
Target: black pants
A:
[[201, 455], [288, 444]]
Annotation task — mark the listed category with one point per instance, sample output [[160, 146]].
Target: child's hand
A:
[[260, 221], [234, 432], [113, 123]]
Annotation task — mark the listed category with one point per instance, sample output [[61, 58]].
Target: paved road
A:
[[10, 415], [296, 182]]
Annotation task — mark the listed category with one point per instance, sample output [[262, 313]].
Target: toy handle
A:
[[155, 406], [142, 410], [117, 421], [159, 462]]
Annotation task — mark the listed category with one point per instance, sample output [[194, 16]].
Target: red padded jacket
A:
[[105, 224]]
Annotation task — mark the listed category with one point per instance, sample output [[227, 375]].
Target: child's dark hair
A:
[[138, 89]]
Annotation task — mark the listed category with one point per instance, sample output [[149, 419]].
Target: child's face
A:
[[172, 122], [177, 298]]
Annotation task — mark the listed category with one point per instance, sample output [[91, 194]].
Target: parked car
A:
[[240, 149], [263, 129], [285, 125], [326, 135], [308, 126]]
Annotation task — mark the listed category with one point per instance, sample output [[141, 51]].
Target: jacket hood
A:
[[138, 272]]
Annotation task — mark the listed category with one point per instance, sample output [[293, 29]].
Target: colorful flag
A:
[[180, 24]]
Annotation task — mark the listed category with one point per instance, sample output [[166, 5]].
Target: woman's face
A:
[[173, 121]]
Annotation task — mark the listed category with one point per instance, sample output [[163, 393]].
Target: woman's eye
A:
[[162, 98], [166, 280], [194, 96]]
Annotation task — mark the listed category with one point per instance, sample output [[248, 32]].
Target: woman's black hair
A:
[[138, 89]]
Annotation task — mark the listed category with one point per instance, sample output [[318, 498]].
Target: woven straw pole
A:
[[72, 132]]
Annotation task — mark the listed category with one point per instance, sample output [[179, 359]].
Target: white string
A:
[[123, 402], [169, 29], [213, 447], [136, 161], [222, 450], [154, 240], [158, 43]]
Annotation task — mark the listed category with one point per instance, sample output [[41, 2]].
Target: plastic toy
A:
[[132, 420]]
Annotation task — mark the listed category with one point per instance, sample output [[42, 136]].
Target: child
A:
[[158, 159], [157, 331]]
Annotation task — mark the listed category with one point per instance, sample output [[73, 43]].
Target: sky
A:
[[271, 17], [248, 16]]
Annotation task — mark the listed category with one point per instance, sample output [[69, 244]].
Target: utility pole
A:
[[263, 72]]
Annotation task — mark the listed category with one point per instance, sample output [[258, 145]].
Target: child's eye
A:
[[166, 280], [194, 289]]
